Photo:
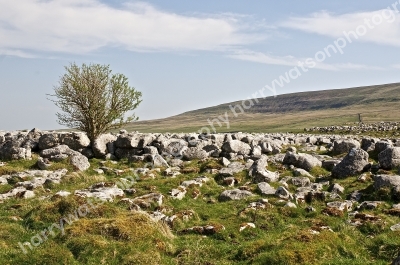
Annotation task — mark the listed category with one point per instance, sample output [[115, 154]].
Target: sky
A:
[[185, 55]]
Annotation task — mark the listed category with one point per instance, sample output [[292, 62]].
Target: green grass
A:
[[112, 234]]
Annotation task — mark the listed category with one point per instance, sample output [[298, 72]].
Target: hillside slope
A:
[[290, 112]]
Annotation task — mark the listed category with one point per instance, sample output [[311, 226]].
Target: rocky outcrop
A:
[[344, 146], [304, 161], [236, 146], [259, 173], [355, 162], [79, 161], [389, 181], [103, 145], [235, 194], [265, 188], [389, 158]]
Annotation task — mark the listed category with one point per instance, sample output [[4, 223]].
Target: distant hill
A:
[[290, 112]]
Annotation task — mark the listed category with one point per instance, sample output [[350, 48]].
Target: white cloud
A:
[[352, 66], [18, 53], [383, 26], [80, 26], [259, 57], [397, 66]]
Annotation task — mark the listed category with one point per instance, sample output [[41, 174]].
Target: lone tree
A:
[[94, 100]]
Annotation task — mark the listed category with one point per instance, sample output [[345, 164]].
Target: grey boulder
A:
[[76, 140], [235, 194], [389, 158], [389, 181], [265, 188], [259, 173], [80, 162], [232, 169], [100, 144], [194, 153], [48, 140], [304, 161], [236, 146], [344, 146], [355, 162]]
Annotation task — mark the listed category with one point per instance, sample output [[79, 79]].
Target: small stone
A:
[[43, 163], [395, 227], [283, 193], [355, 196], [265, 188], [230, 181], [362, 178], [62, 193], [178, 193], [290, 205], [98, 171], [246, 225], [310, 209], [130, 191], [235, 194], [225, 161], [336, 188]]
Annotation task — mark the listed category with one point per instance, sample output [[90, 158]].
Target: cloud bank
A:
[[259, 57], [383, 25], [81, 26]]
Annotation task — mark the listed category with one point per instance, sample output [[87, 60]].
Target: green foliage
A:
[[319, 171], [15, 166], [94, 100]]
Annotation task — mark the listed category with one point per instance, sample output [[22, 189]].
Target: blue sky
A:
[[185, 55]]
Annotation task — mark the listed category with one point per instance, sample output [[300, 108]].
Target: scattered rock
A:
[[62, 193], [172, 172], [265, 188], [283, 193], [369, 205], [75, 140], [236, 146], [341, 205], [225, 161], [159, 161], [43, 163], [389, 181], [395, 227], [100, 145], [80, 162], [330, 164], [48, 140], [355, 196], [301, 181], [147, 200], [355, 162], [232, 169], [299, 172], [304, 161], [178, 193], [389, 158], [246, 226], [290, 205], [336, 188], [259, 173], [344, 146], [235, 194], [194, 153], [205, 230]]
